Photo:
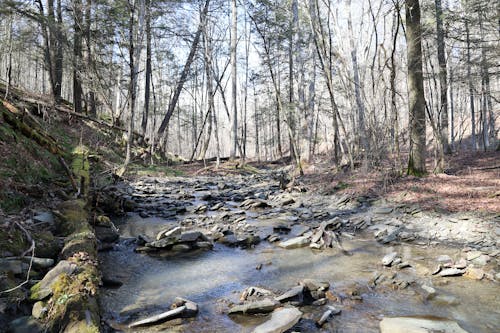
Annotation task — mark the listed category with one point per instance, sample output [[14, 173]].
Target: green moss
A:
[[73, 297]]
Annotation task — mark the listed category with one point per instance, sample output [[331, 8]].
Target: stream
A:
[[215, 278]]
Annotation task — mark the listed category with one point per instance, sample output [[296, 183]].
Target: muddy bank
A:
[[270, 239]]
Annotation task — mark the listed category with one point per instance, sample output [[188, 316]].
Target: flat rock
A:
[[419, 325], [389, 258], [296, 294], [296, 242], [451, 272], [264, 306], [281, 321]]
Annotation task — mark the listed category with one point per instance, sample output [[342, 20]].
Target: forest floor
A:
[[470, 183]]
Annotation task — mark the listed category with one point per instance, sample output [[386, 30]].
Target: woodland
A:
[[268, 141]]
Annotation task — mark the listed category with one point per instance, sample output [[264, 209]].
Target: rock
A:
[[429, 292], [177, 231], [181, 248], [383, 210], [264, 306], [281, 320], [389, 258], [460, 264], [44, 288], [482, 260], [39, 310], [14, 267], [419, 325], [26, 324], [326, 315], [474, 273], [473, 255], [191, 308], [294, 295], [254, 291], [319, 302], [191, 236], [451, 272], [171, 314], [403, 265], [294, 243], [313, 285], [44, 217], [106, 234]]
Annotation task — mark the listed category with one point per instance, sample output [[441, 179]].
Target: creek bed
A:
[[215, 278]]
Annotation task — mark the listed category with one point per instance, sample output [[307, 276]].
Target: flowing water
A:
[[215, 279]]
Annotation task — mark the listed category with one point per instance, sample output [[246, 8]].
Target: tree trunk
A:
[[133, 78], [443, 83], [91, 104], [184, 73], [234, 127], [357, 92], [416, 162], [471, 87], [77, 55], [148, 73]]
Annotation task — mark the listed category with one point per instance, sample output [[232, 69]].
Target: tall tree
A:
[[147, 88], [443, 82], [184, 73], [416, 100], [77, 55], [234, 79]]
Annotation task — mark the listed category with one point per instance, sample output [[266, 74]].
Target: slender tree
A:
[[416, 100]]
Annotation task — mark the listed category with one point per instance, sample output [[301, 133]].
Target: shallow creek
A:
[[215, 279]]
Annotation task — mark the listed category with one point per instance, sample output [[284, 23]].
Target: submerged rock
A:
[[419, 325], [281, 321]]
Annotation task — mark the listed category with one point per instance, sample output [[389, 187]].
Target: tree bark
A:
[[77, 55], [234, 31], [443, 83], [148, 73], [416, 162]]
